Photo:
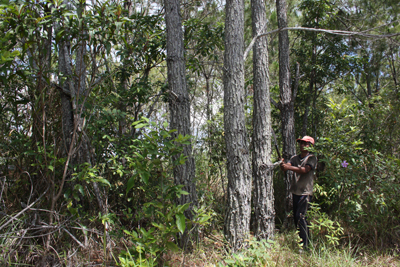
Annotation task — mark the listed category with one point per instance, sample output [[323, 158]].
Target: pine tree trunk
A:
[[179, 103], [237, 218], [287, 100], [262, 175]]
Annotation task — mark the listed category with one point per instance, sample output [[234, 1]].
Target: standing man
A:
[[303, 166]]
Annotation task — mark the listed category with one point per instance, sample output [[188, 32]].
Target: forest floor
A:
[[211, 251]]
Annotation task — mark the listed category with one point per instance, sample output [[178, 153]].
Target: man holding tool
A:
[[303, 166]]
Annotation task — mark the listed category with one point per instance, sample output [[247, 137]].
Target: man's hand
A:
[[284, 166]]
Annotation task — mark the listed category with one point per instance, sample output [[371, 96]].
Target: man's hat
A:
[[307, 138]]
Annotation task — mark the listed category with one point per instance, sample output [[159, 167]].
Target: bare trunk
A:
[[287, 100], [262, 174], [179, 104], [237, 219]]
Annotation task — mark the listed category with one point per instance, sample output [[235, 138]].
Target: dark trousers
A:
[[300, 206]]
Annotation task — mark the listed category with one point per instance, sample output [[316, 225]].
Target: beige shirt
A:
[[302, 184]]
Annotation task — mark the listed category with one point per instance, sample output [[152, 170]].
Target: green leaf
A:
[[159, 226], [145, 177], [140, 125], [103, 181], [182, 208], [180, 222], [183, 192], [203, 219], [130, 184], [133, 233], [173, 247]]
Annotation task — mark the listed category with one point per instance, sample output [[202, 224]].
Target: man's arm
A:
[[299, 170]]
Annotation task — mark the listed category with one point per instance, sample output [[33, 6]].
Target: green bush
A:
[[161, 219], [359, 180]]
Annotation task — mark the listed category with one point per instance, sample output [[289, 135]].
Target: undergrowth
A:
[[211, 251]]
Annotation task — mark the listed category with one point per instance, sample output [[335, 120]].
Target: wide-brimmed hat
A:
[[306, 138]]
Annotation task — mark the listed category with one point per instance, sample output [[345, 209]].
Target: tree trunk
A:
[[179, 103], [73, 96], [64, 67], [287, 101], [262, 175], [237, 218]]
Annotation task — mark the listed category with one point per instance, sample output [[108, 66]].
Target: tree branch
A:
[[336, 32]]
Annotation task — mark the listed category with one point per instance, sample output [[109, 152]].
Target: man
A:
[[303, 166]]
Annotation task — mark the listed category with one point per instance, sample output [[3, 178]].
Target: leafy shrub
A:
[[358, 180], [255, 255], [160, 220], [322, 228]]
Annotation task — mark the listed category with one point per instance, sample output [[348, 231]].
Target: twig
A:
[[74, 238], [22, 211], [72, 254]]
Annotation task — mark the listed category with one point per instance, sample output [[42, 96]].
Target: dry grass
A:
[[210, 251]]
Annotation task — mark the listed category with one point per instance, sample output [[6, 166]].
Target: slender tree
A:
[[179, 102], [238, 165], [261, 160], [76, 144], [286, 97]]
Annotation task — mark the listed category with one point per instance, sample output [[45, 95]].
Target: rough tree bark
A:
[[179, 103], [237, 217], [287, 100], [261, 160]]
